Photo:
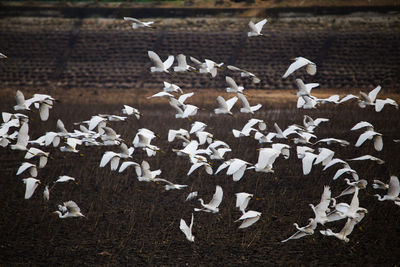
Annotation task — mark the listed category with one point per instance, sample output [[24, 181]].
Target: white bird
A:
[[330, 141], [245, 73], [363, 124], [308, 161], [198, 164], [170, 87], [71, 145], [309, 102], [360, 184], [35, 152], [325, 156], [380, 103], [310, 124], [187, 230], [266, 157], [182, 64], [171, 186], [46, 193], [142, 140], [144, 174], [237, 167], [128, 110], [346, 230], [213, 205], [369, 157], [69, 210], [246, 108], [137, 23], [375, 136], [242, 200], [159, 65], [233, 87], [197, 126], [22, 138], [368, 100], [255, 29], [191, 196], [303, 231], [323, 207], [22, 104], [224, 107], [248, 127], [299, 62], [31, 184], [393, 190], [249, 218], [181, 134], [126, 164], [27, 166], [64, 178], [380, 185]]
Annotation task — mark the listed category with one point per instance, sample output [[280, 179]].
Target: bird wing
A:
[[297, 235], [168, 63], [185, 228], [108, 155], [19, 97], [253, 27], [126, 164], [72, 207], [369, 157], [222, 103], [342, 171], [325, 155], [217, 197], [181, 58], [236, 176], [231, 83], [223, 166], [267, 156], [156, 59], [372, 95], [24, 166], [394, 188], [190, 110], [362, 124], [194, 167], [44, 111], [230, 102], [364, 136], [23, 136], [249, 221], [297, 64], [378, 142], [196, 61], [233, 68], [235, 165], [308, 162], [31, 185], [183, 97], [245, 102], [191, 148], [259, 25]]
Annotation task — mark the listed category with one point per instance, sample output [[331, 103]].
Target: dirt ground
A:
[[134, 223]]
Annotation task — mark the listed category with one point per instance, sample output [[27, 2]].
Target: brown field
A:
[[135, 223]]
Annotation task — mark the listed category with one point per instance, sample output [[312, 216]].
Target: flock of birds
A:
[[200, 147]]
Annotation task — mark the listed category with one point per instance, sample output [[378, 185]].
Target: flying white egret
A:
[[266, 158], [249, 218], [69, 210], [375, 136], [308, 161], [22, 138], [22, 104], [330, 141], [360, 184], [303, 231], [181, 134], [182, 64], [46, 193], [323, 206], [30, 186], [27, 166], [393, 190], [233, 87], [242, 200], [213, 205], [245, 73], [310, 124], [128, 110], [255, 29], [368, 157], [368, 100], [170, 87], [299, 62], [236, 168], [64, 178], [71, 145], [187, 230], [346, 230], [197, 126], [224, 107], [380, 103], [325, 156], [191, 196], [137, 23], [35, 152], [159, 65], [246, 108]]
